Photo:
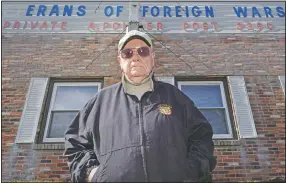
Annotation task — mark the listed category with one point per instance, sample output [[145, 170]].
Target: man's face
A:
[[139, 65]]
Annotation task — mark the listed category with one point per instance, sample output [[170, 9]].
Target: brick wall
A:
[[264, 157], [260, 58]]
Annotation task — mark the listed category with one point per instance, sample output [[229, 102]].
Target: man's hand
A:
[[91, 174]]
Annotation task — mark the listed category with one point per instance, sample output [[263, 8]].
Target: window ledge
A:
[[62, 146], [227, 142], [49, 146]]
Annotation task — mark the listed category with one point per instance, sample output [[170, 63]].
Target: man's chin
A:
[[137, 78], [137, 74]]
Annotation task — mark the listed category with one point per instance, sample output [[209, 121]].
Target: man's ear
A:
[[153, 54], [155, 61], [119, 61]]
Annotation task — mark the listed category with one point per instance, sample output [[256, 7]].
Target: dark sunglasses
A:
[[143, 51]]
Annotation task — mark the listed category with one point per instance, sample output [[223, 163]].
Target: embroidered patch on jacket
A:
[[165, 109]]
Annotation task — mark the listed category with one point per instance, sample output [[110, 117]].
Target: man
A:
[[140, 129]]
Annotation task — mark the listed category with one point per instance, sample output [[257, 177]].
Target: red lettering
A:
[[105, 25], [53, 24], [17, 25], [269, 25], [205, 26], [214, 25], [63, 25], [44, 25], [149, 26], [259, 26], [196, 25], [33, 26], [91, 26], [159, 26], [239, 26], [249, 26], [25, 25], [186, 25], [7, 24], [116, 25]]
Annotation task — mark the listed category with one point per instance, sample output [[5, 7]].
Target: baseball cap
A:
[[132, 35]]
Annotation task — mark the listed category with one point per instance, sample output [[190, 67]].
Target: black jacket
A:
[[163, 137]]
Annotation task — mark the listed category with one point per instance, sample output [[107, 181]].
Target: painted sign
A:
[[166, 17]]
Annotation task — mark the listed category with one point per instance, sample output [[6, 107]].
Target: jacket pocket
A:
[[100, 172]]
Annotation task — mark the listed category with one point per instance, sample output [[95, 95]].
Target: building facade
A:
[[235, 74]]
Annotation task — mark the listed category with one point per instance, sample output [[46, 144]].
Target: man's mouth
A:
[[134, 66]]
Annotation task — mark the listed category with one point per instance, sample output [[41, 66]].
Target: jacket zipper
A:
[[142, 140]]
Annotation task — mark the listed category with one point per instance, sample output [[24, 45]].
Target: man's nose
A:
[[135, 56]]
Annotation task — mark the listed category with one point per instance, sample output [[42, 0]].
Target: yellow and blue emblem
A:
[[165, 109]]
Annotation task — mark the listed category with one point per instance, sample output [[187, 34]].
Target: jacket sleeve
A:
[[79, 145], [200, 144]]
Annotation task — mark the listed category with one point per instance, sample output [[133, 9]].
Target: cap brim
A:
[[135, 37]]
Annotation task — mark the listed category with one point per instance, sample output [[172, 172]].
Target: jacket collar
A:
[[146, 85]]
